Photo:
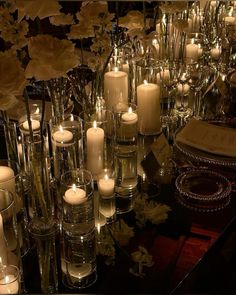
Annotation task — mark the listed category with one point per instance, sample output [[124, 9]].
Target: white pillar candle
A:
[[3, 246], [129, 117], [62, 137], [9, 285], [115, 88], [192, 51], [34, 123], [75, 196], [148, 101], [215, 53], [7, 179], [95, 146], [106, 186]]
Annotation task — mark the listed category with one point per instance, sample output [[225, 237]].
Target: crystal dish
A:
[[203, 190]]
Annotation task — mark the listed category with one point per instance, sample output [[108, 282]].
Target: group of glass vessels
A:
[[157, 86]]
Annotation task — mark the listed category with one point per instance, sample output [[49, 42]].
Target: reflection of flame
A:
[[7, 279], [145, 82], [154, 42], [98, 228], [94, 124]]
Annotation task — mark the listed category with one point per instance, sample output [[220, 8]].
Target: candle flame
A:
[[145, 82], [199, 46], [37, 110], [116, 69], [98, 228], [94, 124], [130, 111], [154, 42], [74, 187], [106, 177], [192, 41], [61, 129], [72, 118], [7, 279]]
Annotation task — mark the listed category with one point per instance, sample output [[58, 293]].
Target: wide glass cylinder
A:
[[10, 280]]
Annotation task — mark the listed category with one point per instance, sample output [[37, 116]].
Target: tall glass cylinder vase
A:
[[43, 225], [11, 179], [78, 255], [9, 239]]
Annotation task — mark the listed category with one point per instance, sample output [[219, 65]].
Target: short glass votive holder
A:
[[78, 251], [11, 179], [106, 189], [9, 280], [99, 135]]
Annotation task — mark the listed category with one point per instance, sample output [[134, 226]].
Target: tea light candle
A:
[[7, 179], [215, 52], [75, 196], [3, 246], [115, 87], [9, 285], [129, 117], [95, 146], [34, 123], [106, 186], [148, 101], [192, 50], [62, 137], [79, 271]]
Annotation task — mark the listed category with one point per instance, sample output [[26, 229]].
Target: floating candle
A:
[[106, 186], [62, 136], [7, 179], [129, 117], [35, 124], [75, 196]]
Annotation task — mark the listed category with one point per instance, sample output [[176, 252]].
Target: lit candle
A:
[[192, 50], [129, 117], [215, 52], [106, 186], [115, 88], [62, 137], [95, 146], [9, 285], [148, 101], [7, 179], [3, 246], [75, 196], [34, 123]]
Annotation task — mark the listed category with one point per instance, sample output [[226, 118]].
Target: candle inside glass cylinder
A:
[[106, 186], [9, 285], [75, 196], [129, 117], [7, 179], [95, 146], [192, 50], [62, 136], [35, 124]]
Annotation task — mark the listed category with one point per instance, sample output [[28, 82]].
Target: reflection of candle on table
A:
[[129, 117], [3, 246], [75, 196], [148, 100], [9, 285], [192, 50], [95, 146], [115, 87], [62, 137], [7, 179], [106, 186], [34, 123]]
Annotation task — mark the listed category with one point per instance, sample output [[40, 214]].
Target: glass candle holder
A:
[[78, 254], [106, 189], [99, 140], [195, 47], [9, 238], [148, 97], [9, 280], [12, 180]]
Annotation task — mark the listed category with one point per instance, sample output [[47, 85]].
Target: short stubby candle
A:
[[75, 196], [106, 186], [148, 100], [35, 124], [7, 179], [95, 148], [62, 137], [115, 88], [129, 117], [9, 285]]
